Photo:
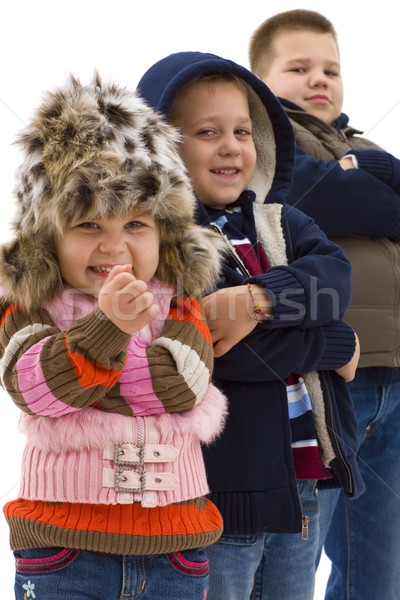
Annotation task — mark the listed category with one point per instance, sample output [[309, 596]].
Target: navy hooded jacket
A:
[[250, 467]]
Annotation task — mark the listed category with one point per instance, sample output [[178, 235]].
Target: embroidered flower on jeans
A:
[[29, 587]]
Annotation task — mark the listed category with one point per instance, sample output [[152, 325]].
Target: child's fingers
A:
[[124, 281], [154, 310], [117, 270], [133, 294]]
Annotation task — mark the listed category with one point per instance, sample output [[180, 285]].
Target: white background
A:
[[41, 42]]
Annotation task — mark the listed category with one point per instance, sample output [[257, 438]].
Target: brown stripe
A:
[[13, 323], [169, 386], [33, 534], [114, 402], [188, 334]]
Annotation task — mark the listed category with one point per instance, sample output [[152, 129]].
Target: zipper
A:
[[232, 252], [342, 136], [304, 527], [140, 438], [304, 518], [243, 270], [337, 446]]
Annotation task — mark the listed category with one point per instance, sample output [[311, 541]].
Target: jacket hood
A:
[[96, 151], [272, 131]]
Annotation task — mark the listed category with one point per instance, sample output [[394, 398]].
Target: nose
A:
[[229, 146], [112, 244], [318, 79]]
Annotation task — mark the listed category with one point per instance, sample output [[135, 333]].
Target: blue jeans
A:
[[280, 566], [65, 574], [363, 535]]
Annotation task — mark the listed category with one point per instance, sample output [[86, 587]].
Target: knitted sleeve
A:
[[173, 373], [51, 372]]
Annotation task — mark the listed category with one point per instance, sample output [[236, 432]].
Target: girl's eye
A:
[[298, 70], [134, 225], [87, 225]]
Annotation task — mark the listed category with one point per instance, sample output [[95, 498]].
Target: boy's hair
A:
[[208, 79], [261, 49]]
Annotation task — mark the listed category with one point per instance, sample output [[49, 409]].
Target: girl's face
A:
[[89, 249], [217, 148]]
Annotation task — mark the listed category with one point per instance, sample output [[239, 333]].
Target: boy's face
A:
[[306, 70], [217, 148], [89, 249]]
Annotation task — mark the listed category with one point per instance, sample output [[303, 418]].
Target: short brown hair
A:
[[208, 79], [261, 42]]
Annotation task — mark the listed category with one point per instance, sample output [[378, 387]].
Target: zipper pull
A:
[[304, 528]]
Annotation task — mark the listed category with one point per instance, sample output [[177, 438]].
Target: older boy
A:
[[267, 319], [351, 188]]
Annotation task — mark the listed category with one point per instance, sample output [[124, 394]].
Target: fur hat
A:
[[95, 151]]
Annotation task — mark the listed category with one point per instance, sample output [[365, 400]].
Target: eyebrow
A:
[[306, 60], [209, 119]]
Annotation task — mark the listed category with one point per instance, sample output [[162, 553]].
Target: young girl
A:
[[110, 367]]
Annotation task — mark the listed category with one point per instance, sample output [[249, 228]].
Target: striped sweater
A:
[[114, 424]]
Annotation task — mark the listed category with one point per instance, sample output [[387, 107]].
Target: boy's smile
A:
[[218, 148]]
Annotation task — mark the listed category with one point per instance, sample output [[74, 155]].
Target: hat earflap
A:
[[192, 260], [29, 272]]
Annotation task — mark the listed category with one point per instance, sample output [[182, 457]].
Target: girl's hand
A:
[[126, 300]]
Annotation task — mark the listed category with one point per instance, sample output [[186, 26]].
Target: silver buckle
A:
[[120, 478], [119, 453]]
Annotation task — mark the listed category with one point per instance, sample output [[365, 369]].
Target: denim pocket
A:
[[44, 560], [239, 540], [190, 562]]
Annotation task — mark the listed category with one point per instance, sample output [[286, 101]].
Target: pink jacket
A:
[[88, 455]]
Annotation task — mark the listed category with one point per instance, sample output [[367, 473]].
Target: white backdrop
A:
[[41, 42]]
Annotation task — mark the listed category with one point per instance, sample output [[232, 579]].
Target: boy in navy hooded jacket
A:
[[281, 345]]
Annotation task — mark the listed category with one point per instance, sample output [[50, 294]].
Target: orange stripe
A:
[[123, 519], [9, 310], [89, 373], [188, 309]]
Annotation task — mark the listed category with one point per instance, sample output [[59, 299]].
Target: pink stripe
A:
[[136, 383], [43, 565], [188, 567], [33, 386]]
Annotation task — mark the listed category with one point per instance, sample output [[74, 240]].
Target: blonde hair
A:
[[261, 49]]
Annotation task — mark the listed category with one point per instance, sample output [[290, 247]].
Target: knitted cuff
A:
[[181, 359], [288, 298], [97, 338], [340, 345], [375, 162], [187, 325]]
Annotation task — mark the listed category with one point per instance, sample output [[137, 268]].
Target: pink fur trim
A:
[[92, 428], [206, 420]]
